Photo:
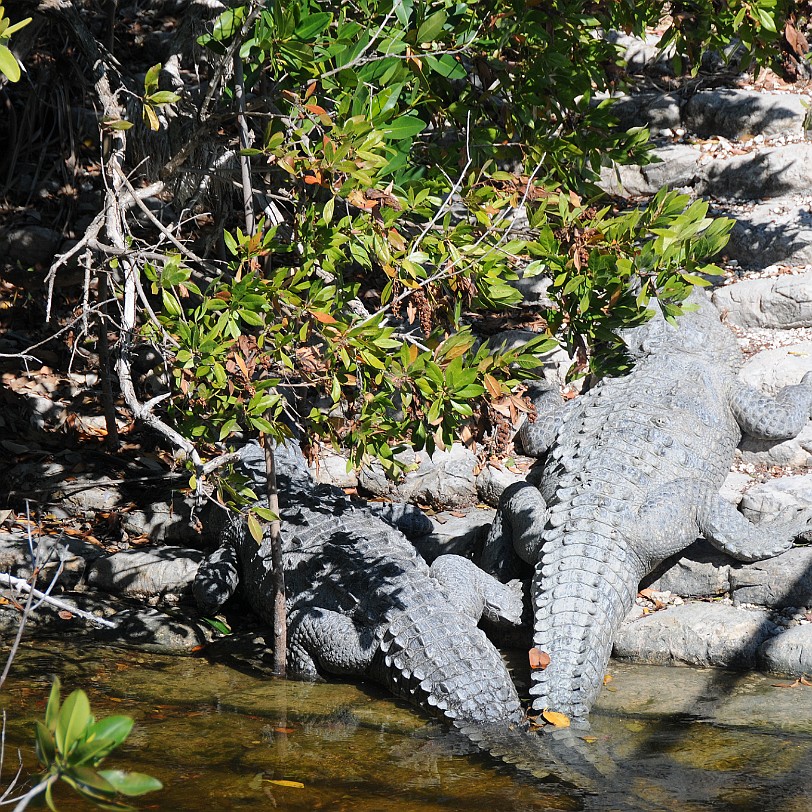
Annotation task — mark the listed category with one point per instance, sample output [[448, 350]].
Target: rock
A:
[[701, 634], [50, 551], [30, 245], [446, 479], [144, 573], [741, 114], [534, 289], [770, 370], [778, 498], [789, 652], [153, 630], [409, 519], [460, 535], [658, 111], [699, 572], [734, 486], [678, 168], [777, 302], [776, 231], [796, 453], [331, 469], [785, 580], [492, 481], [165, 523], [759, 174]]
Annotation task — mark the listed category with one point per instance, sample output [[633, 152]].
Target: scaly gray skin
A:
[[361, 602], [632, 476]]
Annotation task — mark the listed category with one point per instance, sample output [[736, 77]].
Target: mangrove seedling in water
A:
[[71, 745]]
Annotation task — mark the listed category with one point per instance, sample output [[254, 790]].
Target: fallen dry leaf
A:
[[556, 719], [539, 659]]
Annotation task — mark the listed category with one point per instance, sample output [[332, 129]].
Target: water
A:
[[684, 739]]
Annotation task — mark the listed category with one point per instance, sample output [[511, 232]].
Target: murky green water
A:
[[685, 739]]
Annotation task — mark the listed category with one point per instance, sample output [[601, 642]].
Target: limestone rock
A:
[[789, 652], [332, 470], [492, 481], [460, 535], [755, 175], [770, 370], [785, 580], [678, 167], [30, 245], [446, 479], [743, 114], [734, 486], [142, 574], [796, 452], [701, 634], [154, 630], [778, 498], [699, 572], [778, 302]]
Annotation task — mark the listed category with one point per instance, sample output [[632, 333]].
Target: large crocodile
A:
[[631, 476], [361, 602]]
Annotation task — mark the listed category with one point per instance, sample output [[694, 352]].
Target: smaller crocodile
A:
[[361, 602], [630, 476]]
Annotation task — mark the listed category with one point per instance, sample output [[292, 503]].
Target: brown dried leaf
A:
[[538, 659]]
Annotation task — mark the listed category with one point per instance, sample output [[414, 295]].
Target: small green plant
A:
[[71, 745], [8, 62]]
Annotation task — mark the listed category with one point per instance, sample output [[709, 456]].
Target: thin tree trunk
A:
[[108, 404], [280, 620]]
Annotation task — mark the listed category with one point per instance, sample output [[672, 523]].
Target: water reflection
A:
[[220, 739]]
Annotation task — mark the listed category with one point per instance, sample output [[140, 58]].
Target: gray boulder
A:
[[795, 453], [701, 571], [147, 573], [700, 634], [785, 580], [444, 479], [789, 652], [780, 496], [776, 302], [742, 114], [772, 369]]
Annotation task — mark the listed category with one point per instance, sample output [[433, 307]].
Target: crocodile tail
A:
[[562, 754]]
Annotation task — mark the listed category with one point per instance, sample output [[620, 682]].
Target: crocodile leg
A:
[[778, 418], [516, 533], [537, 437], [729, 531], [216, 579], [477, 593], [332, 640]]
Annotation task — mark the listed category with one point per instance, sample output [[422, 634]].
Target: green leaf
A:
[[52, 708], [151, 79], [446, 66], [254, 528], [131, 784], [73, 721], [313, 24], [116, 124], [266, 513], [228, 24], [218, 625], [432, 26], [88, 779], [164, 97], [403, 127], [45, 745], [113, 728], [766, 19], [9, 65]]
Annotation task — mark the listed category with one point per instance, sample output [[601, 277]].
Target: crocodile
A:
[[361, 602], [630, 474]]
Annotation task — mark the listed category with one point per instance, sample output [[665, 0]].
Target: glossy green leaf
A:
[[131, 783], [9, 65], [403, 127], [164, 97], [45, 745], [74, 718], [52, 708], [254, 528]]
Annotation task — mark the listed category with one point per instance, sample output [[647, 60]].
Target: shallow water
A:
[[684, 739]]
